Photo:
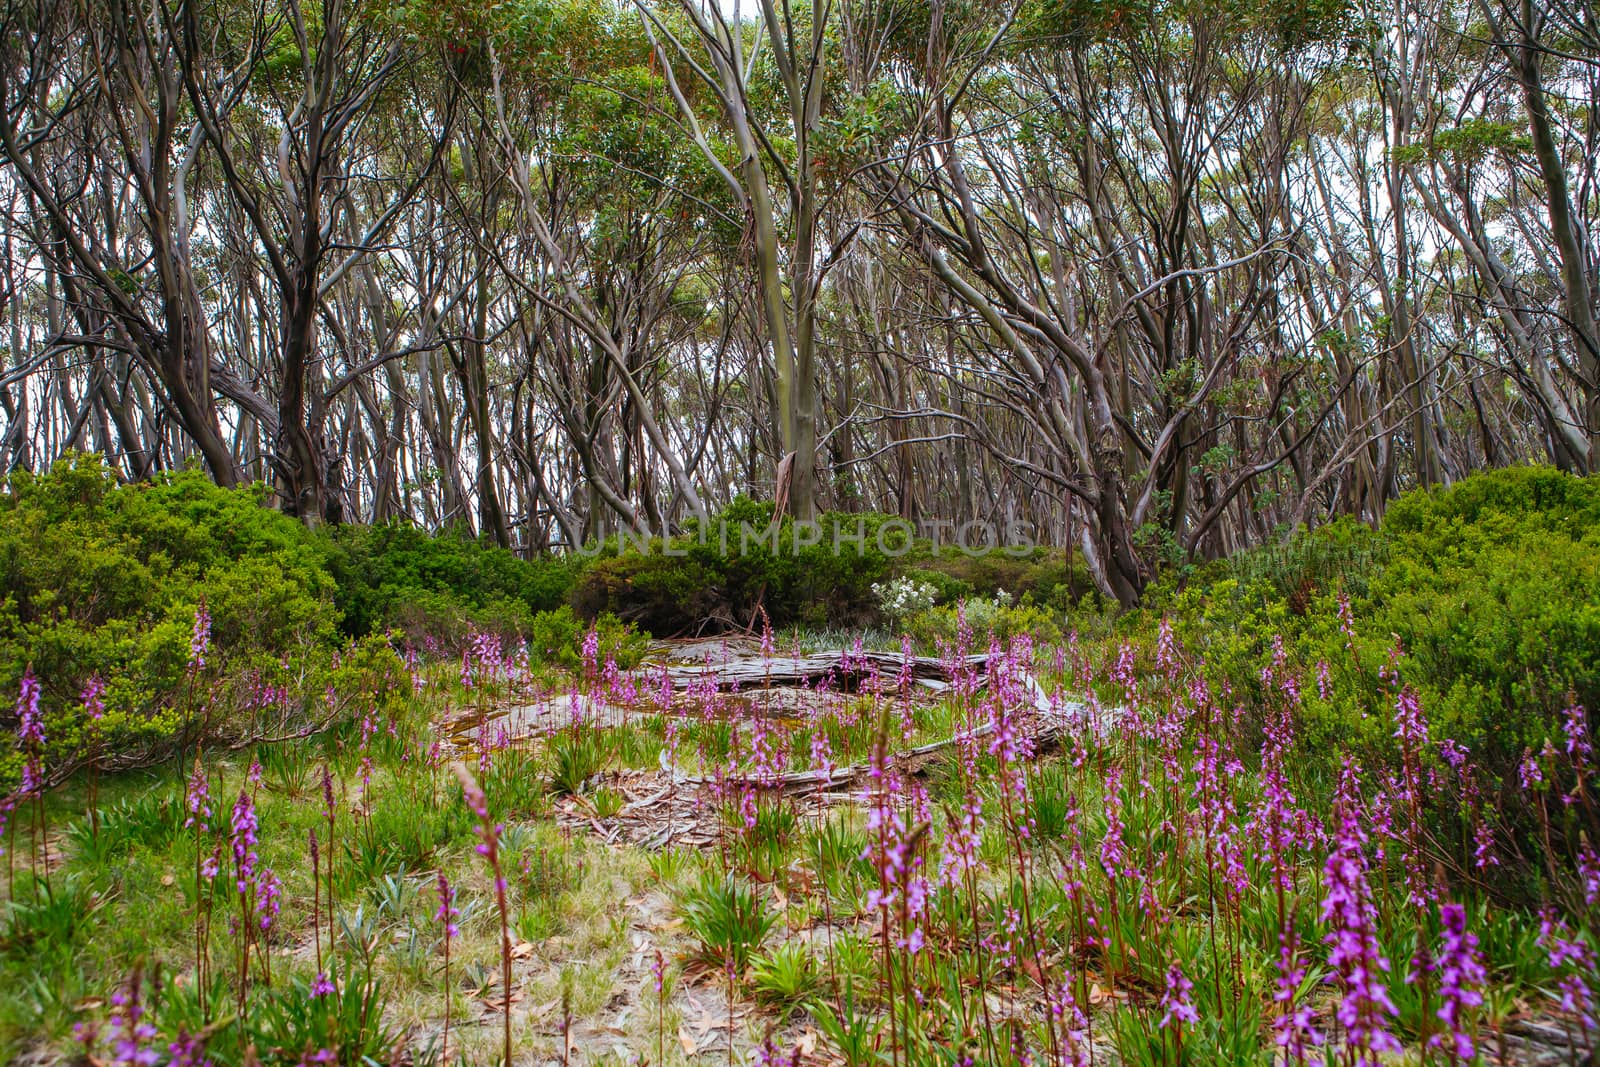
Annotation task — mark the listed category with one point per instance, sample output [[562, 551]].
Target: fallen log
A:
[[1046, 722], [845, 671]]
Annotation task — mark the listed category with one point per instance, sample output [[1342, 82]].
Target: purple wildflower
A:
[[1113, 856], [243, 839], [961, 842], [448, 913], [1460, 975], [93, 698], [187, 1051], [269, 891], [1529, 773], [1176, 999], [1410, 726], [1589, 872], [1354, 959], [200, 641], [1483, 854], [329, 809], [1576, 727], [1575, 1000], [591, 651], [30, 733], [1292, 1028], [30, 727], [197, 797], [212, 864], [130, 1035]]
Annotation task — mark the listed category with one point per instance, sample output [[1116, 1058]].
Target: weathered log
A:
[[845, 671]]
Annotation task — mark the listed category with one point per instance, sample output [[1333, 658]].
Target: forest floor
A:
[[736, 854]]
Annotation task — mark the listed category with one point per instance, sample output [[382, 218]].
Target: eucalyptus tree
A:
[[772, 128], [1519, 29], [1511, 159], [295, 173], [606, 272], [94, 135], [1119, 248]]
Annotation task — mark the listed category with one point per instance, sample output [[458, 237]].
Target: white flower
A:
[[904, 597]]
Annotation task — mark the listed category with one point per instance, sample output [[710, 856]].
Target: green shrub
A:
[[556, 637], [1491, 587], [1042, 576], [947, 588], [723, 573], [663, 595], [727, 570], [439, 587], [98, 578]]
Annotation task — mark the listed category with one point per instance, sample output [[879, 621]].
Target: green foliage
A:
[[728, 919], [1039, 576], [98, 578], [543, 871], [607, 802], [738, 563], [440, 587], [1287, 24], [986, 617], [853, 1032], [405, 829], [1493, 589], [1469, 141], [47, 918], [838, 856], [1050, 804], [575, 757], [150, 820], [293, 1024], [1490, 586], [786, 975], [763, 842], [556, 637]]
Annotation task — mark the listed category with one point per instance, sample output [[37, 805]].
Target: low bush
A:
[[101, 580], [997, 618], [439, 588], [1482, 598], [724, 573], [556, 638], [1043, 577], [1490, 588]]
